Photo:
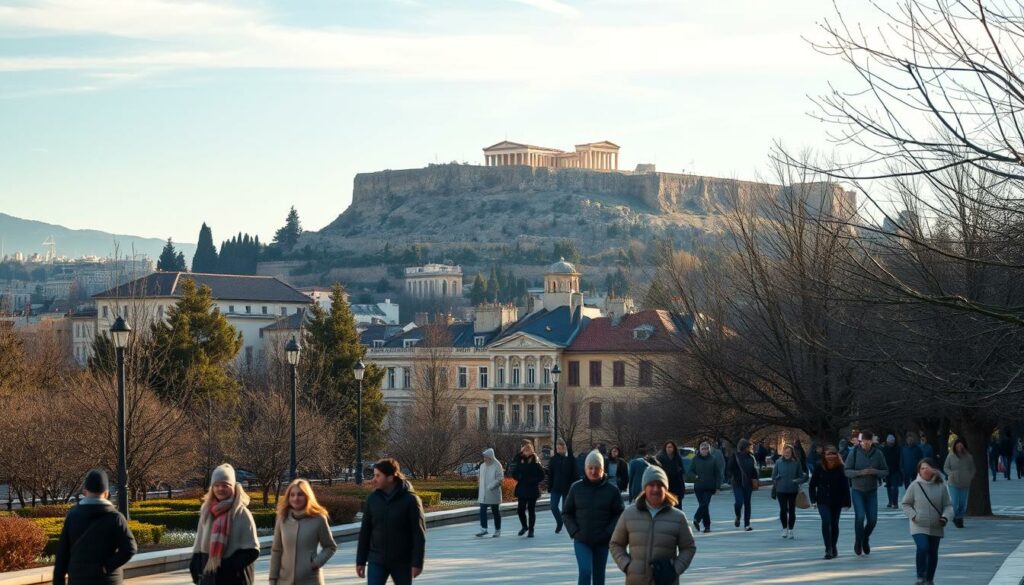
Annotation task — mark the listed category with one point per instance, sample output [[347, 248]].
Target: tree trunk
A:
[[977, 435]]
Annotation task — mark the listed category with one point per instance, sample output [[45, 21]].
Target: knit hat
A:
[[891, 438], [224, 473], [96, 482], [655, 473], [595, 459], [489, 453]]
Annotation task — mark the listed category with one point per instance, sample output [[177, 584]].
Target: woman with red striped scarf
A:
[[226, 542]]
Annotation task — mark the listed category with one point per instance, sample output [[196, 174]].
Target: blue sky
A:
[[151, 116]]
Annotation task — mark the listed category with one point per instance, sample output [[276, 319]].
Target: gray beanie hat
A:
[[595, 459], [224, 473], [655, 473]]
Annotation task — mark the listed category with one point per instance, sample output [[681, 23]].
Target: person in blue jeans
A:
[[866, 469], [928, 505], [592, 507], [743, 471], [393, 533]]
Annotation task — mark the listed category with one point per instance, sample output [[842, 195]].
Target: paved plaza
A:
[[725, 556]]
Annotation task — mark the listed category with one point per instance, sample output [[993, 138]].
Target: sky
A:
[[150, 117]]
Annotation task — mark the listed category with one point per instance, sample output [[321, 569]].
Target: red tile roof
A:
[[668, 333]]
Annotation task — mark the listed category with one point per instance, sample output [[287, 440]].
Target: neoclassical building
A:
[[597, 156], [433, 281]]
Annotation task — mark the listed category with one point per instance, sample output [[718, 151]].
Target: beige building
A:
[[597, 156], [433, 281]]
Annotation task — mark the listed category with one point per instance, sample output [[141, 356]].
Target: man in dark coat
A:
[[1006, 451], [95, 541], [393, 535], [891, 452], [592, 508], [910, 454], [561, 476]]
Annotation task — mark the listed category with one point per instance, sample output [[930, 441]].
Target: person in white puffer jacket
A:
[[489, 492], [929, 507]]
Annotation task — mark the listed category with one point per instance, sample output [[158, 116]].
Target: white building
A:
[[433, 281]]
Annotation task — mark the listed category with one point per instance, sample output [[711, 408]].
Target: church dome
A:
[[562, 267]]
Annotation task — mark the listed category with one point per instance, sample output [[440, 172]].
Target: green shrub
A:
[[341, 509], [171, 519], [264, 517], [429, 499], [21, 541], [47, 511], [145, 534]]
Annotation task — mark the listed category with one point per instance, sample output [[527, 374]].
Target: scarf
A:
[[220, 532]]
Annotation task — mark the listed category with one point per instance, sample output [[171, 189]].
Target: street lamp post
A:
[[120, 331], [358, 371], [292, 349], [555, 373]]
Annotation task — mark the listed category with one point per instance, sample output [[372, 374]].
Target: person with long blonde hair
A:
[[302, 526]]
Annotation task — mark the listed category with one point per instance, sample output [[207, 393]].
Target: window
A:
[[231, 308], [501, 376], [391, 378], [515, 415], [574, 373], [463, 377], [531, 416], [284, 311], [499, 415], [378, 343], [264, 309], [546, 415], [643, 332], [547, 376], [481, 418], [406, 377], [462, 417], [595, 373], [618, 373], [248, 309], [531, 375], [479, 340], [646, 373], [595, 415], [482, 376], [515, 376], [106, 313], [407, 343]]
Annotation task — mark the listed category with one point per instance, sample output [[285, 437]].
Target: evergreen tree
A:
[[331, 349], [287, 236], [170, 260], [197, 345], [205, 258], [493, 286], [239, 255], [478, 294]]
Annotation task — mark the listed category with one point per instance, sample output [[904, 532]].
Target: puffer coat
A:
[[925, 503], [639, 539]]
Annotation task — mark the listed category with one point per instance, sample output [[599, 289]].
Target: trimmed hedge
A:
[[21, 542], [145, 534], [341, 509], [430, 499], [47, 511], [189, 519]]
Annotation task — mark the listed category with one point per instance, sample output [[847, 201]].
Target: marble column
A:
[[490, 412], [538, 419]]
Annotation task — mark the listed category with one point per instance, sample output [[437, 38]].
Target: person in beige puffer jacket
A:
[[653, 531], [929, 507], [960, 470]]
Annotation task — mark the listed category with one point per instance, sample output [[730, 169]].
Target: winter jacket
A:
[[640, 538], [394, 531], [675, 469], [708, 472], [910, 455], [719, 456], [860, 460], [829, 487], [926, 451], [528, 475], [787, 475], [561, 473], [489, 490], [620, 475], [294, 559], [891, 453], [591, 509], [924, 517], [742, 469], [240, 552], [96, 559], [959, 469], [636, 476], [1006, 447]]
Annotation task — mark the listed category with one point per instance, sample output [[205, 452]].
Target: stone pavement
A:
[[726, 555]]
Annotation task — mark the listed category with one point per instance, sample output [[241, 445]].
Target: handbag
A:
[[802, 501], [775, 493], [664, 572], [754, 483]]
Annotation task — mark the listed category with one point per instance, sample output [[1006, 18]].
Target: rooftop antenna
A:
[[51, 252]]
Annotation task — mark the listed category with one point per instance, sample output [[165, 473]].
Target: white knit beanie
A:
[[224, 473], [595, 459]]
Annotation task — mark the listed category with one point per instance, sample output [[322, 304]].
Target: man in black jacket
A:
[[561, 475], [393, 535], [592, 508], [95, 541]]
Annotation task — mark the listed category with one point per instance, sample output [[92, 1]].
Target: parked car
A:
[[468, 470]]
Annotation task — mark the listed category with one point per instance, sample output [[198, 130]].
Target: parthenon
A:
[[598, 156]]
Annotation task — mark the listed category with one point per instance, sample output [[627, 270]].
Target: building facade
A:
[[596, 156], [433, 281]]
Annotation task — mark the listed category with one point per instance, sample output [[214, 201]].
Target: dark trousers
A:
[[993, 465], [742, 496], [829, 525], [527, 505], [703, 515], [1006, 461], [377, 574], [892, 488], [787, 510], [556, 507], [494, 512], [927, 555], [908, 478], [1020, 467]]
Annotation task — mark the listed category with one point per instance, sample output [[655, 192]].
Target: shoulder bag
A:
[[942, 519]]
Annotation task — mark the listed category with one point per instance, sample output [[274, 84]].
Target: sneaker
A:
[[785, 533], [748, 528], [481, 533], [958, 522], [497, 533], [707, 529], [792, 534], [522, 531]]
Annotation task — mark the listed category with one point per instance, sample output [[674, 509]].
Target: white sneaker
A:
[[792, 534], [481, 533], [497, 533], [785, 533]]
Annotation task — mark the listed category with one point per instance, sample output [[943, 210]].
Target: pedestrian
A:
[[830, 492], [865, 467], [844, 448], [910, 454], [815, 456], [960, 470], [528, 476], [708, 472], [636, 472], [489, 492], [561, 476], [393, 533], [672, 462], [891, 452], [95, 541], [1020, 458], [301, 528], [581, 460], [800, 453], [761, 454], [929, 507], [652, 541], [926, 449], [743, 470], [1006, 451], [993, 458], [591, 510], [787, 476], [226, 542], [618, 469], [719, 453]]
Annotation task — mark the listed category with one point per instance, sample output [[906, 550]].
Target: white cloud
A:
[[553, 6]]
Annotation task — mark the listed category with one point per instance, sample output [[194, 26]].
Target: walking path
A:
[[725, 556]]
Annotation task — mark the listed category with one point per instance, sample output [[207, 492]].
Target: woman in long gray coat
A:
[[489, 492], [929, 507], [301, 529]]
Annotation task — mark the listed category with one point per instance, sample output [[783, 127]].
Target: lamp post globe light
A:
[[358, 371], [292, 350], [120, 332], [555, 373]]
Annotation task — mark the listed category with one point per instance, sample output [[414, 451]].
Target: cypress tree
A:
[[205, 258], [478, 294]]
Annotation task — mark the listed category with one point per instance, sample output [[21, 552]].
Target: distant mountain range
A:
[[27, 236]]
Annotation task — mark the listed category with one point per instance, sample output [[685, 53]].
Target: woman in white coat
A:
[[489, 492], [929, 507]]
